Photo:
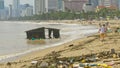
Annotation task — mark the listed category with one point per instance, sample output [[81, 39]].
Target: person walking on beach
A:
[[102, 31]]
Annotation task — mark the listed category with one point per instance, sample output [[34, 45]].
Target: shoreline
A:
[[15, 55], [89, 45], [53, 48]]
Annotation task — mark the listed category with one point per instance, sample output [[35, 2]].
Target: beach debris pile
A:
[[53, 60]]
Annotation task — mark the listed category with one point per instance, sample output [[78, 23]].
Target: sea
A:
[[13, 42]]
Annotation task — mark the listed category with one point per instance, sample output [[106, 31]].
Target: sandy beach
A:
[[86, 45]]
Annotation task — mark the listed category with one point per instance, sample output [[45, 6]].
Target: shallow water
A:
[[13, 37]]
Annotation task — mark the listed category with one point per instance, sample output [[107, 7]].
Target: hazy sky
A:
[[7, 2]]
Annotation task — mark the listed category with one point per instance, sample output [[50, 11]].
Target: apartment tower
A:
[[16, 11], [113, 4], [1, 4]]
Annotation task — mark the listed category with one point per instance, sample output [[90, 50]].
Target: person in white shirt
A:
[[102, 31]]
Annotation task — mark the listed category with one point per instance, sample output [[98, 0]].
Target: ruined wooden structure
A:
[[40, 33]]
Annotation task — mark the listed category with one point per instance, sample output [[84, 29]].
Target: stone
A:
[[71, 45], [44, 64], [112, 51]]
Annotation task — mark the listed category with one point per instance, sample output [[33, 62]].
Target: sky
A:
[[7, 2]]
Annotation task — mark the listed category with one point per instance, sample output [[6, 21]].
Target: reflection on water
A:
[[36, 42], [42, 41], [13, 36]]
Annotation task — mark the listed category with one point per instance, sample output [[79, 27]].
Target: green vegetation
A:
[[102, 13]]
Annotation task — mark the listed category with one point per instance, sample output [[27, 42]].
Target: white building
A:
[[1, 4], [109, 3], [119, 4], [4, 14], [10, 11], [94, 2], [16, 11], [52, 5], [3, 10], [43, 6], [40, 6], [88, 7], [61, 5], [28, 11], [55, 5]]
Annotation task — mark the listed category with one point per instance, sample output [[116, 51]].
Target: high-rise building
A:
[[74, 5], [16, 11], [52, 5], [61, 5], [1, 4], [88, 7], [27, 10], [4, 13], [119, 4], [106, 3], [113, 4], [55, 5], [2, 10], [40, 6], [43, 6], [10, 11], [94, 2]]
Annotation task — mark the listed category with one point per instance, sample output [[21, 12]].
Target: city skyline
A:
[[8, 2]]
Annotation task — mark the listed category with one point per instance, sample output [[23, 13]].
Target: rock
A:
[[44, 65], [9, 64], [112, 51], [71, 45]]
